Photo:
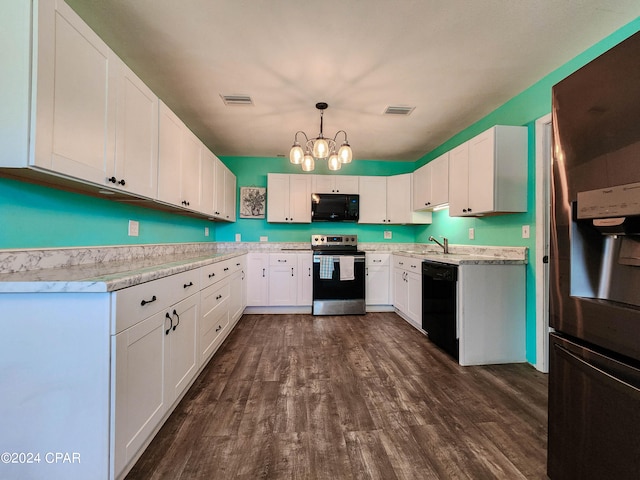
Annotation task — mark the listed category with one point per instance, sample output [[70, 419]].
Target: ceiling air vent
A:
[[237, 100], [394, 110]]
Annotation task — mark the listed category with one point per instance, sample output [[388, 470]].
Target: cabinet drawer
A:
[[377, 259], [276, 259], [217, 271], [407, 263], [137, 303], [214, 302]]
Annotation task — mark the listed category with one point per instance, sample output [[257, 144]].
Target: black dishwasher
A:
[[439, 305]]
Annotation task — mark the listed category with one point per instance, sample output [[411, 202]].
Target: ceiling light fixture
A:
[[319, 148]]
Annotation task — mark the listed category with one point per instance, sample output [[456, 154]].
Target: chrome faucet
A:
[[444, 246]]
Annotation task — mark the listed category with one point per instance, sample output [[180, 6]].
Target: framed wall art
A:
[[252, 202]]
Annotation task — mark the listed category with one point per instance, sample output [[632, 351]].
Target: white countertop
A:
[[460, 258]]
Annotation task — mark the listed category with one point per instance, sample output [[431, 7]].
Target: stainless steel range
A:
[[338, 275]]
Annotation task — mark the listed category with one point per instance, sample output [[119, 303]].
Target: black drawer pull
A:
[[219, 328], [144, 302], [226, 269], [166, 332], [187, 285], [237, 264], [212, 275], [176, 314], [218, 297]]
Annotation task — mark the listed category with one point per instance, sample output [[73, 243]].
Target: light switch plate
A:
[[388, 235], [525, 231], [472, 233], [239, 237], [206, 231], [134, 228], [264, 238]]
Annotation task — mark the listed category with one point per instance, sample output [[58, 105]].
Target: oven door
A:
[[332, 296]]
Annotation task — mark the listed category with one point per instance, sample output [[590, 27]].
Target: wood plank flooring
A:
[[350, 397]]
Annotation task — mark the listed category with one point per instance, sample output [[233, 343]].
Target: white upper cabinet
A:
[[169, 157], [75, 105], [431, 184], [488, 174], [136, 158], [207, 177], [190, 182], [289, 198], [347, 184], [387, 200]]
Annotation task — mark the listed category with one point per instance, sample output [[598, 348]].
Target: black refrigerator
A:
[[594, 369]]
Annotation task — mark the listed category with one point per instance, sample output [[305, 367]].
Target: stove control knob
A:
[[315, 239], [322, 239]]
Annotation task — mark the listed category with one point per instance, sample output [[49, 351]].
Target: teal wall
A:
[[252, 171], [32, 216]]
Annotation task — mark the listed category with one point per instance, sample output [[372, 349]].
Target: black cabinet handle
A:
[[122, 182], [166, 332], [144, 302], [292, 271], [219, 328], [243, 274], [226, 269], [187, 285], [237, 264], [464, 210], [263, 272], [112, 180], [218, 297], [309, 271], [185, 203], [282, 261], [212, 275], [468, 209], [176, 314]]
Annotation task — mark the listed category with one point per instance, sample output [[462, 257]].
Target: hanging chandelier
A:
[[319, 148]]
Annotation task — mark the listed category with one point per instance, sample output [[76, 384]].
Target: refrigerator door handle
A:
[[616, 382]]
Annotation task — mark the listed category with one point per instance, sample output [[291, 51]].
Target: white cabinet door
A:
[[207, 179], [300, 198], [76, 98], [229, 195], [182, 359], [347, 184], [219, 189], [257, 279], [422, 188], [169, 157], [283, 279], [377, 285], [190, 184], [305, 279], [140, 397], [481, 173], [278, 197], [399, 199], [459, 180], [400, 290], [440, 180], [414, 293], [373, 199], [323, 184], [136, 158]]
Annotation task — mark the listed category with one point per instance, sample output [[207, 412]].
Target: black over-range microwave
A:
[[334, 207]]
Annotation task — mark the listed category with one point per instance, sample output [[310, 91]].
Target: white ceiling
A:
[[453, 60]]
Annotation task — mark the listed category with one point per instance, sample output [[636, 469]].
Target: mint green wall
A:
[[252, 171], [32, 216]]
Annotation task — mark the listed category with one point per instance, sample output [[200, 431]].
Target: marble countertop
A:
[[107, 276], [106, 269]]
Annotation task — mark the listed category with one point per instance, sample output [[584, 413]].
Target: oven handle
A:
[[336, 259]]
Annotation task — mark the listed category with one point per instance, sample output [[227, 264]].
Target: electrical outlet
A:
[[264, 238], [472, 233], [238, 237], [388, 235], [206, 231], [134, 228], [525, 231]]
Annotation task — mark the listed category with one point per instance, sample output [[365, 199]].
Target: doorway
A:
[[543, 211]]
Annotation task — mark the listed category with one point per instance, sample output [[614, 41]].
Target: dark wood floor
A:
[[355, 397]]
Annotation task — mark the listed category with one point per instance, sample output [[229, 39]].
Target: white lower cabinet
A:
[[407, 288], [214, 321], [305, 279], [378, 279], [257, 279], [282, 279]]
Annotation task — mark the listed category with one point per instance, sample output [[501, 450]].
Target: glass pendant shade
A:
[[345, 153], [334, 162], [308, 164], [296, 155], [320, 148]]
